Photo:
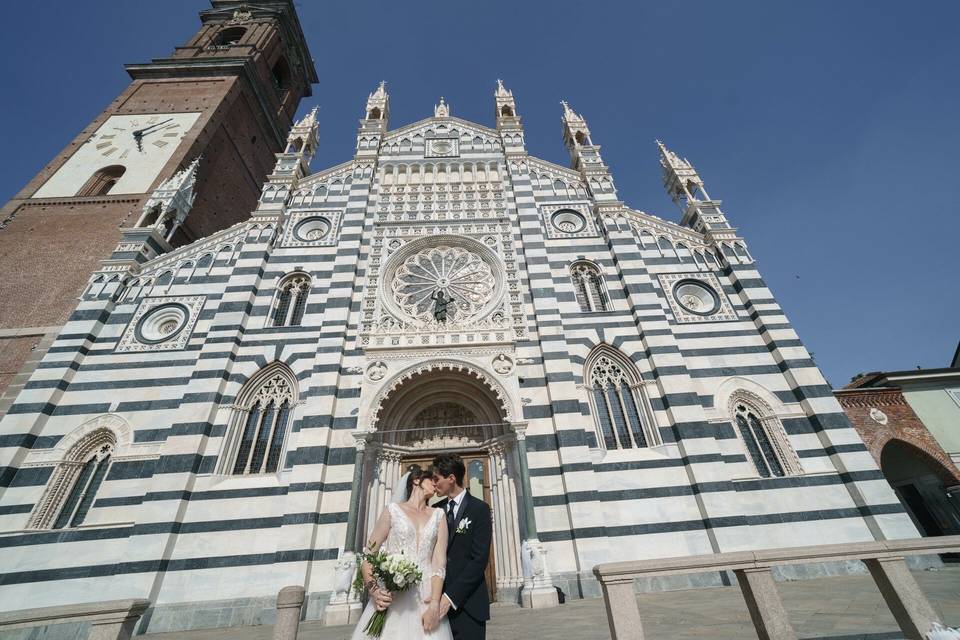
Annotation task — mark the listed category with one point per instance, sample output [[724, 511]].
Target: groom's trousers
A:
[[465, 627]]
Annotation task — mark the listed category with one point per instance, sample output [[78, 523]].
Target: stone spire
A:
[[700, 212], [169, 204], [680, 178], [441, 110], [508, 122], [378, 103], [505, 105], [585, 156]]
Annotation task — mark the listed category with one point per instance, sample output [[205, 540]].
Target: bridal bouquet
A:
[[394, 572]]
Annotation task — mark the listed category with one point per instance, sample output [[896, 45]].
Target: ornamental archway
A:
[[450, 406], [920, 482]]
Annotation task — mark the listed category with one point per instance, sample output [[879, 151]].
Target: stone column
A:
[[289, 604], [506, 544], [538, 590], [354, 512], [623, 614], [344, 606], [906, 601], [763, 601]]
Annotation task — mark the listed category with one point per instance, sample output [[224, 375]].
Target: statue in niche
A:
[[441, 302]]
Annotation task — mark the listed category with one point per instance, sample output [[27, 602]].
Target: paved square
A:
[[840, 608]]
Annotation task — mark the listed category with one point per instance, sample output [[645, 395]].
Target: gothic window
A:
[[75, 482], [588, 287], [261, 422], [101, 182], [291, 301], [764, 439], [621, 411]]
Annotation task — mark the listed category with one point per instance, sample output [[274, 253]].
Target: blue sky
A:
[[829, 129]]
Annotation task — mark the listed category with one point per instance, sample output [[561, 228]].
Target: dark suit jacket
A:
[[467, 555]]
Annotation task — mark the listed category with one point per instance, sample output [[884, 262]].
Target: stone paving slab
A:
[[836, 608]]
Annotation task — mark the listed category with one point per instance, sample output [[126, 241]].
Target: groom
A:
[[464, 601]]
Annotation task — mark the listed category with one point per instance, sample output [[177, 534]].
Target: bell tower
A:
[[229, 94]]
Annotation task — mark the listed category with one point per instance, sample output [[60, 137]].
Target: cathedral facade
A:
[[222, 419]]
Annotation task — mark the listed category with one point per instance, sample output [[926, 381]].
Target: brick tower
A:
[[228, 95]]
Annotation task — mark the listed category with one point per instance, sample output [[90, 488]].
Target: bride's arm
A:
[[379, 534], [437, 574]]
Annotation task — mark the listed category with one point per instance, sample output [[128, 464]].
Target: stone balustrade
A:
[[110, 620], [884, 559]]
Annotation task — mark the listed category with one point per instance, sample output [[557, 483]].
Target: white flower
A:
[[399, 580], [464, 525]]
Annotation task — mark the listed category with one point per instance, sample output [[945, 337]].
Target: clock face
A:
[[140, 135], [141, 144]]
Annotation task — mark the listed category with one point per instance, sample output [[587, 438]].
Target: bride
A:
[[409, 526]]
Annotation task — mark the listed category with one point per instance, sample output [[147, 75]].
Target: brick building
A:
[[228, 94], [910, 422]]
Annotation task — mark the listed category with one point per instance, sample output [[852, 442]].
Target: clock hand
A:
[[139, 133]]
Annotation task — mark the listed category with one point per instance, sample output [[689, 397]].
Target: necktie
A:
[[451, 506]]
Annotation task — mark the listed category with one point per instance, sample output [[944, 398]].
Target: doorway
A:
[[477, 483], [919, 482]]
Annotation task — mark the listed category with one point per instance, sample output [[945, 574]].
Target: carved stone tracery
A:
[[450, 271]]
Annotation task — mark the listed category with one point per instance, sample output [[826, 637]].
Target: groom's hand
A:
[[444, 607]]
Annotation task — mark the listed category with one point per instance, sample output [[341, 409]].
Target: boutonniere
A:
[[463, 525]]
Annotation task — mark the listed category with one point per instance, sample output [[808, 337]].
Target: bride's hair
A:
[[417, 474]]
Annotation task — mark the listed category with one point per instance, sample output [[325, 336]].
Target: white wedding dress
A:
[[404, 615]]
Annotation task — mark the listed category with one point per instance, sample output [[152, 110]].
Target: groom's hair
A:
[[447, 464]]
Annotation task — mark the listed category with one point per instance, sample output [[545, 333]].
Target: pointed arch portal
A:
[[450, 406]]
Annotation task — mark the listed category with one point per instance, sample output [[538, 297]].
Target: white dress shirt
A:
[[457, 502]]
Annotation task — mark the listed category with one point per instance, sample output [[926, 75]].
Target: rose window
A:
[[168, 327], [463, 277]]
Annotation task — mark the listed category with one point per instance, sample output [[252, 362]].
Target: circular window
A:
[[568, 221], [443, 273], [162, 323], [696, 297], [442, 147], [310, 229]]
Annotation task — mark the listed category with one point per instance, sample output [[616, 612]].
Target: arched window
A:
[[588, 287], [101, 182], [763, 438], [261, 422], [506, 111], [229, 37], [622, 413], [291, 301], [74, 483]]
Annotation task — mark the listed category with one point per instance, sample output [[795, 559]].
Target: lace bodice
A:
[[404, 537]]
